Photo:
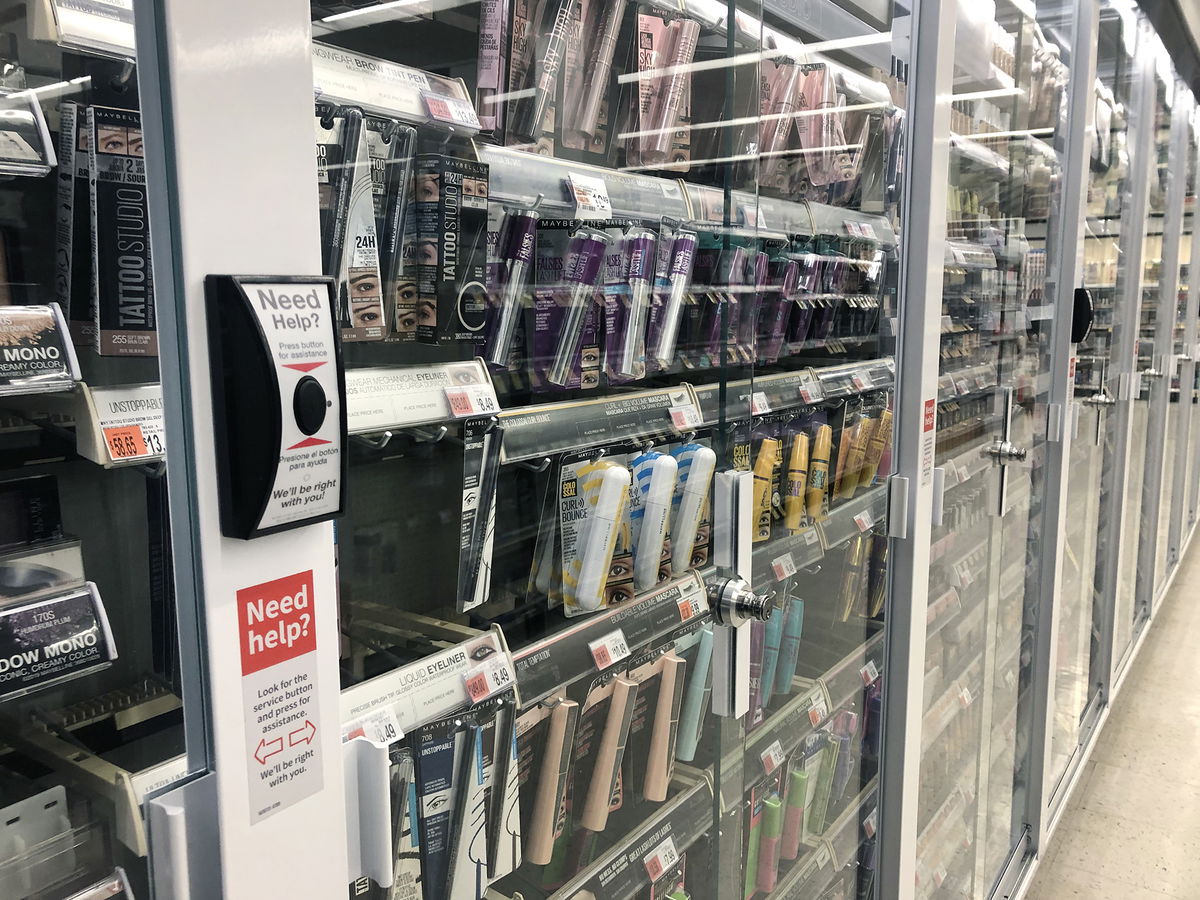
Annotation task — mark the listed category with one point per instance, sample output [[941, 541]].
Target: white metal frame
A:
[[229, 135]]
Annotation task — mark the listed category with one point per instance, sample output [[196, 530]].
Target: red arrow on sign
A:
[[309, 442], [304, 367], [267, 749], [306, 734]]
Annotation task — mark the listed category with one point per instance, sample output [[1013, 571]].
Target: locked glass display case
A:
[[618, 450]]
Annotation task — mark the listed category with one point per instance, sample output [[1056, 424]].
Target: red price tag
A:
[[476, 400], [661, 858], [125, 442], [609, 649], [477, 687], [688, 607]]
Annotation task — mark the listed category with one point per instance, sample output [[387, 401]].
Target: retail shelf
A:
[[811, 874], [622, 871], [855, 516], [561, 658], [844, 835], [114, 425], [531, 432], [777, 559]]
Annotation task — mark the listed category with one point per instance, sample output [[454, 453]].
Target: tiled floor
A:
[[1132, 829]]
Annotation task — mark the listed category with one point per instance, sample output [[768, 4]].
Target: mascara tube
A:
[[683, 253], [774, 129], [772, 639], [692, 715], [797, 478], [526, 122], [601, 65], [777, 318], [691, 507], [660, 475], [748, 321], [640, 255], [793, 817], [520, 230], [584, 257], [768, 847], [818, 472], [880, 440], [674, 82], [603, 521], [789, 649], [764, 468]]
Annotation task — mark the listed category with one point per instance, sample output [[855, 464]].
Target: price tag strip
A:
[[380, 727], [784, 566], [379, 399], [591, 197], [686, 417]]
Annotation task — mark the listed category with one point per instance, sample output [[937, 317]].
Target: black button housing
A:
[[309, 405]]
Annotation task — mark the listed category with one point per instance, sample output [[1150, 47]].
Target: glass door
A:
[[1007, 141], [93, 668], [1078, 677], [821, 330]]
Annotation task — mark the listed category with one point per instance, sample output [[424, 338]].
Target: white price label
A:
[[811, 536], [868, 230], [487, 679], [861, 381], [869, 672], [864, 520], [451, 110], [784, 567], [758, 404], [871, 823], [472, 400], [661, 859], [772, 757], [591, 197], [131, 422], [612, 648], [818, 712], [685, 417], [965, 698], [381, 727]]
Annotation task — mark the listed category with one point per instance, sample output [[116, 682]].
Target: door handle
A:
[[1006, 452], [1151, 373], [734, 607], [1101, 400], [734, 604]]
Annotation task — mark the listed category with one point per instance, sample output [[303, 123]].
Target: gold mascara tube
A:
[[879, 441], [797, 479], [818, 472], [863, 434], [764, 470]]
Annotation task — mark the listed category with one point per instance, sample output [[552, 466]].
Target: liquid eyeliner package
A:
[[406, 864], [503, 802], [751, 305], [391, 149], [451, 203], [439, 752], [346, 203], [482, 440], [73, 252], [468, 866], [122, 278]]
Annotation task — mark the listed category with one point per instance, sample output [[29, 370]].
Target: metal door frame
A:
[[923, 249], [1066, 269], [214, 210], [1164, 361], [1181, 518], [1121, 376]]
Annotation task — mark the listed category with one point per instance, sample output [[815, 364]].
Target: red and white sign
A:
[[277, 638]]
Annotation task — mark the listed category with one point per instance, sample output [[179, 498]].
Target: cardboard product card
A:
[[123, 280]]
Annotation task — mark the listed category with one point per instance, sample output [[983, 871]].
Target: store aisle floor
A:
[[1132, 830]]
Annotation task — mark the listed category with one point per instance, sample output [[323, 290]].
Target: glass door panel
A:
[[1006, 146], [823, 343], [92, 668]]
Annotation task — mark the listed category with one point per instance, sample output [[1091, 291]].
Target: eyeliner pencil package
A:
[[406, 864], [451, 204], [503, 810], [391, 147], [122, 280], [347, 215], [481, 466], [73, 260]]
